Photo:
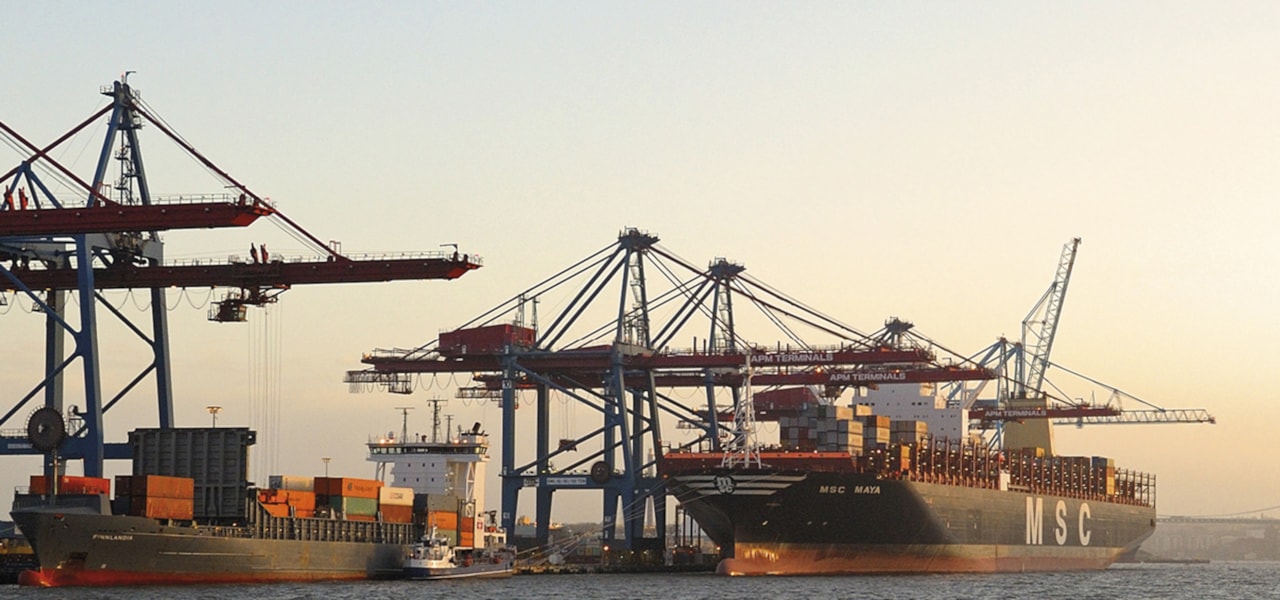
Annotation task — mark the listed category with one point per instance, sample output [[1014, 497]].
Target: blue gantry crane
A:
[[105, 235]]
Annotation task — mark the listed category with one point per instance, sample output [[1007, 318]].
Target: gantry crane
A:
[[1022, 410], [623, 368], [106, 237]]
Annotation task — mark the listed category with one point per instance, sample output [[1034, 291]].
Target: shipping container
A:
[[784, 399], [347, 487], [71, 484], [179, 509], [347, 506], [161, 486], [397, 514], [875, 421], [443, 520], [395, 496], [361, 518], [124, 486], [491, 339], [292, 482]]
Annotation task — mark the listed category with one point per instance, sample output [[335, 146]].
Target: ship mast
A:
[[743, 449], [435, 418]]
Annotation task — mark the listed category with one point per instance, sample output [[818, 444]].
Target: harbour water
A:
[[1130, 582]]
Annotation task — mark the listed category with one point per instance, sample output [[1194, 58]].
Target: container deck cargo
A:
[[70, 484], [348, 487], [490, 339]]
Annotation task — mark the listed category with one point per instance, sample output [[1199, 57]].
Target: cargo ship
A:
[[189, 515], [849, 491]]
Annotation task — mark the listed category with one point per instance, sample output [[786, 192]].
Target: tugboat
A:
[[434, 558]]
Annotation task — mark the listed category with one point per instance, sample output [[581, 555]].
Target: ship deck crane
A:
[[106, 237]]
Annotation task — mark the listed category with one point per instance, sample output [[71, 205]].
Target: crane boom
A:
[[1037, 342], [1130, 417]]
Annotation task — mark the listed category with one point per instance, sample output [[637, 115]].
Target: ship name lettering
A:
[[113, 537], [1060, 514], [1035, 521], [831, 489], [866, 489], [1085, 513], [1061, 532]]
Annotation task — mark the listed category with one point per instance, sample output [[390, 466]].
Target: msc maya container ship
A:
[[848, 491]]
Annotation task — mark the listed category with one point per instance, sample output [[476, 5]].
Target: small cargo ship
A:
[[188, 515], [847, 491], [435, 558]]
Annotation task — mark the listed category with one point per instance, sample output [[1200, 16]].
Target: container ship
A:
[[849, 491], [187, 514]]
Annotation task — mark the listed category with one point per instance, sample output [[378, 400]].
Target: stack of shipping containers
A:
[[349, 498], [155, 496]]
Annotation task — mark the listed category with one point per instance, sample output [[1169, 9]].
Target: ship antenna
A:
[[404, 423], [435, 418]]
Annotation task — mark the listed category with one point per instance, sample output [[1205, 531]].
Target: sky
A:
[[924, 160]]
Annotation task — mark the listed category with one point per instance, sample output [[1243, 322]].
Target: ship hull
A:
[[807, 522], [81, 549], [486, 571]]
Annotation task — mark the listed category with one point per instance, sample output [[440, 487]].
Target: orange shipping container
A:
[[71, 484], [162, 486], [361, 518], [181, 509], [397, 514], [300, 500], [466, 539], [468, 524], [447, 521]]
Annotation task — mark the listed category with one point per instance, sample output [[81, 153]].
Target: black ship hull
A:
[[770, 521], [77, 547]]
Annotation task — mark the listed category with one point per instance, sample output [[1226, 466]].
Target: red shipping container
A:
[[347, 487], [784, 399], [491, 339], [163, 486], [124, 486]]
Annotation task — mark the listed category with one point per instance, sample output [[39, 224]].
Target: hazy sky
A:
[[922, 160]]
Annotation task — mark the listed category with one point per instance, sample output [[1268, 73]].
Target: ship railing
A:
[[971, 465]]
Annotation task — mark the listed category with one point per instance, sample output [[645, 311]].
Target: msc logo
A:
[[831, 489], [725, 484], [1035, 522]]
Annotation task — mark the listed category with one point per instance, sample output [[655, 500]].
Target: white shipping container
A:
[[295, 483], [395, 496]]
